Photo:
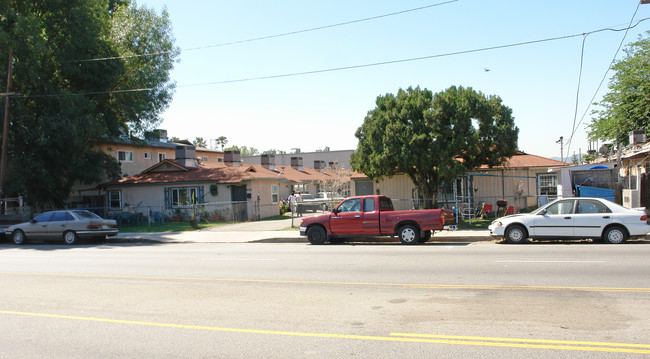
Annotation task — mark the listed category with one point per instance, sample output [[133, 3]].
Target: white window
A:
[[220, 159], [274, 193], [147, 155], [161, 156], [115, 200], [203, 158], [547, 185], [125, 156], [183, 196]]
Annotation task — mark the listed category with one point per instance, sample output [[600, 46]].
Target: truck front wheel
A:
[[316, 235], [408, 234]]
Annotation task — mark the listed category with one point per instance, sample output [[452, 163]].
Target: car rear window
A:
[[86, 214]]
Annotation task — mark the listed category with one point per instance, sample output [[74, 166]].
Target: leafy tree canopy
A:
[[222, 140], [74, 64], [626, 106], [244, 151], [431, 138], [200, 142]]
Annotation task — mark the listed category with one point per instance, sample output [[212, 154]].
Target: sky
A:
[[313, 89]]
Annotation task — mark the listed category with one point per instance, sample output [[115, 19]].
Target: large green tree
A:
[[626, 106], [431, 138], [81, 78]]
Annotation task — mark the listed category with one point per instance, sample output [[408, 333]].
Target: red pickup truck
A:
[[375, 216]]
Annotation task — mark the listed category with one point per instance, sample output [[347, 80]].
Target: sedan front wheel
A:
[[18, 237], [516, 234]]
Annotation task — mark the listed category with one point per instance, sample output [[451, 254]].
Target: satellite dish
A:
[[603, 150]]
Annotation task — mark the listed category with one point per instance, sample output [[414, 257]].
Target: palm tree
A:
[[222, 140]]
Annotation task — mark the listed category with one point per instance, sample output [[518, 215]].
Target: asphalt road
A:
[[294, 300]]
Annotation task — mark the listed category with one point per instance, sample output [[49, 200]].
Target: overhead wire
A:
[[382, 63], [620, 45], [272, 36]]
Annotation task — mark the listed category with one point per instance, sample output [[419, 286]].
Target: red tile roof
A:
[[170, 171], [520, 160], [524, 160]]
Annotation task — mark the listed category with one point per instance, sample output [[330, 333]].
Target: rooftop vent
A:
[[186, 155], [232, 158]]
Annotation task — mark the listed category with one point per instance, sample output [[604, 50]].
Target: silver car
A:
[[69, 225], [574, 218]]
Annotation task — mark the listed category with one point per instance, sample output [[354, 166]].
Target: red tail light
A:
[[442, 217], [644, 218]]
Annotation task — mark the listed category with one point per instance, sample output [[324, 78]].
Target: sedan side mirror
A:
[[33, 221], [542, 212]]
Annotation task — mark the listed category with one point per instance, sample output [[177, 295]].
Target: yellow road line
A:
[[413, 338], [545, 341], [405, 285]]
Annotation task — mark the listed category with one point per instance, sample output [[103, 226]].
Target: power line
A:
[[627, 29], [274, 36], [349, 67]]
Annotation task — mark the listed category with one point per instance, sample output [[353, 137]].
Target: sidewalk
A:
[[271, 231]]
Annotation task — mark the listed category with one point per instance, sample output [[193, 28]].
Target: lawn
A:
[[476, 223]]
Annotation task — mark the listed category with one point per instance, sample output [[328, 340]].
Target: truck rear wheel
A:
[[409, 234], [316, 235]]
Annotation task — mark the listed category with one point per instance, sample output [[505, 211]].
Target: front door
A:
[[240, 204], [556, 221], [348, 219], [37, 228]]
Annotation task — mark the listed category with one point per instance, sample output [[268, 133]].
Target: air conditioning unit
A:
[[631, 198], [637, 137]]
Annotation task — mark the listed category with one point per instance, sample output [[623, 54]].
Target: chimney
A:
[[186, 155], [232, 158], [296, 163], [162, 135], [319, 165], [158, 134], [268, 161]]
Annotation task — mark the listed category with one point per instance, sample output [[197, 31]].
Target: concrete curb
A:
[[281, 236]]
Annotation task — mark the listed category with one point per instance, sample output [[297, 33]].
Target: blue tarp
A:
[[586, 191]]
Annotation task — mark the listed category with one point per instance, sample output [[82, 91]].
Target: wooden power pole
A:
[[5, 130]]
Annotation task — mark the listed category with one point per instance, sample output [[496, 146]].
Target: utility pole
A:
[[5, 129], [561, 142]]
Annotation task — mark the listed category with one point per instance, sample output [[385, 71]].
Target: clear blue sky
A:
[[538, 81]]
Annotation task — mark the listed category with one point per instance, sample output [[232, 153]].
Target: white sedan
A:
[[574, 218]]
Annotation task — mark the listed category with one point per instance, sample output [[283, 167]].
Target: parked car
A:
[[308, 203], [69, 225], [578, 218], [375, 216]]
